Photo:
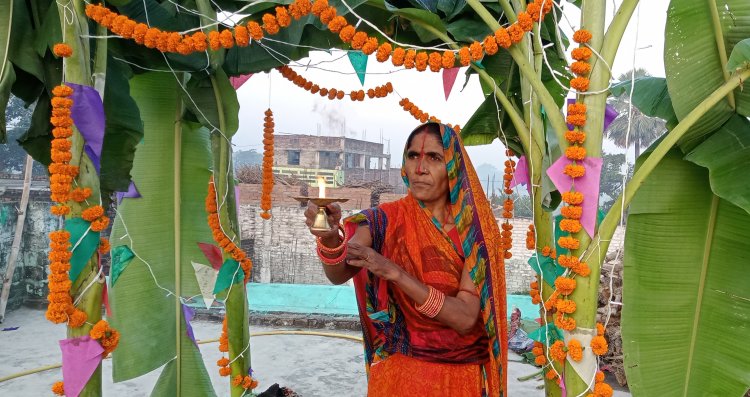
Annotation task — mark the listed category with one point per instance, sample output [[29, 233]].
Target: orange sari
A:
[[407, 353]]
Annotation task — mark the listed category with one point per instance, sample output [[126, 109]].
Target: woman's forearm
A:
[[456, 312], [339, 273]]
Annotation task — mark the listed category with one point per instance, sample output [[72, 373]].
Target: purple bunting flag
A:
[[189, 313], [610, 114], [521, 175], [131, 193], [238, 81], [88, 116], [80, 357], [588, 185]]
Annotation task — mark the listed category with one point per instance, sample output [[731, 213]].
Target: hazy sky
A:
[[296, 111]]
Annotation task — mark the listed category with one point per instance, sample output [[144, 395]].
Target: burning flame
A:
[[321, 187]]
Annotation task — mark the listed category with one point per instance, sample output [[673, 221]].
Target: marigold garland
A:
[[62, 50], [557, 351], [575, 350], [107, 336], [268, 179], [272, 22], [218, 234], [378, 92], [599, 345]]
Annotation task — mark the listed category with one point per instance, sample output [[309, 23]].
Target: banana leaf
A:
[[686, 302], [171, 170], [692, 61]]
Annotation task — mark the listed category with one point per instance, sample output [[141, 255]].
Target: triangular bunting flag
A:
[[131, 193], [546, 266], [212, 253], [80, 357], [359, 62], [549, 331], [206, 276], [449, 78], [238, 81], [188, 312], [121, 257], [230, 273], [88, 116], [84, 244], [521, 175], [588, 185]]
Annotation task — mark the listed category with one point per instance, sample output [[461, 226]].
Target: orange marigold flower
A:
[[599, 329], [62, 91], [580, 68], [570, 225], [566, 306], [582, 36], [60, 210], [58, 388], [565, 285], [574, 198], [534, 11], [568, 261], [599, 345], [100, 224], [249, 383], [603, 390], [557, 351], [546, 5], [577, 108], [283, 18], [567, 242], [581, 54], [464, 56], [398, 56], [384, 51], [582, 269], [358, 40], [575, 153], [370, 46], [223, 362], [61, 121], [476, 51], [516, 33], [537, 350], [256, 31], [77, 319], [540, 360], [60, 236], [327, 15], [436, 61], [99, 329], [575, 351], [599, 377], [551, 374], [336, 24], [80, 194], [490, 45], [347, 33], [92, 213], [409, 59], [525, 21], [580, 84], [104, 246], [270, 25], [319, 6], [448, 59], [565, 323], [572, 211], [237, 380], [534, 285], [241, 35], [62, 102], [214, 40], [62, 50], [421, 61], [502, 38], [576, 119], [225, 371], [574, 170]]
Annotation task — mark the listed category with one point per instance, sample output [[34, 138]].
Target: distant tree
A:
[[644, 130], [521, 208], [247, 157], [12, 155], [611, 179]]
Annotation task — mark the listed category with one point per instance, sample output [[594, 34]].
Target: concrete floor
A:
[[309, 365]]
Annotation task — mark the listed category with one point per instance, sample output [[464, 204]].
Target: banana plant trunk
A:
[[87, 289]]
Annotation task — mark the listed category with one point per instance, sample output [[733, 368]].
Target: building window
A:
[[352, 160], [292, 157], [328, 160]]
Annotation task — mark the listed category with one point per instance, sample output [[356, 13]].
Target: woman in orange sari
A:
[[429, 279]]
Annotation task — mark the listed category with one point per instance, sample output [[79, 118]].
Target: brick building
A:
[[339, 160]]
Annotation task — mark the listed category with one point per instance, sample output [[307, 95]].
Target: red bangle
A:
[[332, 261], [434, 303], [335, 250]]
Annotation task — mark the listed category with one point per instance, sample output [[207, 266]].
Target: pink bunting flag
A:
[[521, 175], [213, 254], [449, 78], [588, 185], [80, 357], [561, 383], [237, 197], [238, 81]]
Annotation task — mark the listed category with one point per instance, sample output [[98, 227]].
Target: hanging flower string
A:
[[506, 235], [332, 93], [420, 115], [272, 22], [268, 179], [224, 242]]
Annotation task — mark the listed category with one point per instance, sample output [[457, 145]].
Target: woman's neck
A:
[[440, 210]]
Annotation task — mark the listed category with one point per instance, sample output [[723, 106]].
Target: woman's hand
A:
[[334, 217], [362, 256]]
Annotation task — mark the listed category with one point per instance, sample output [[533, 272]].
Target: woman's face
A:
[[425, 168]]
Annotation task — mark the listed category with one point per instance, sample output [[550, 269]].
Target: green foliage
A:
[[686, 302], [161, 227], [740, 57]]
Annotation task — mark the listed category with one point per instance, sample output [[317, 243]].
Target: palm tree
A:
[[644, 130]]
